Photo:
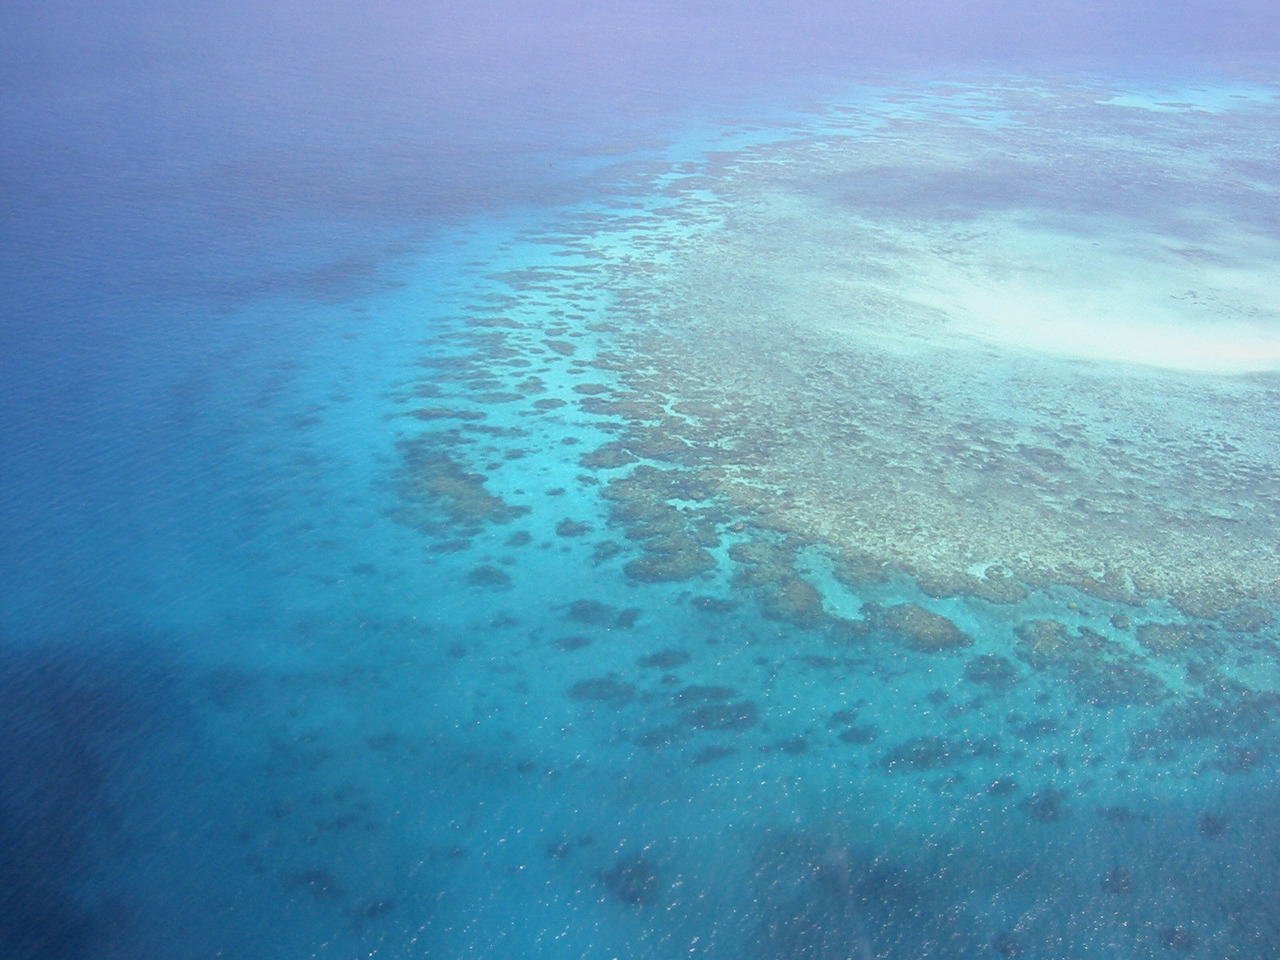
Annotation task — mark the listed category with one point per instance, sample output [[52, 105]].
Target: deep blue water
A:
[[613, 481]]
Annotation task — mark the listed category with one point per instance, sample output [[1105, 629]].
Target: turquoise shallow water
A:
[[699, 567]]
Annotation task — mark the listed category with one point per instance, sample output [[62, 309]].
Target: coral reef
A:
[[1100, 671], [917, 628], [441, 497]]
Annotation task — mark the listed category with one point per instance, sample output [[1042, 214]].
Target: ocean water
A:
[[688, 491]]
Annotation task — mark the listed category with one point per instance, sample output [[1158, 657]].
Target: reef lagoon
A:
[[842, 526]]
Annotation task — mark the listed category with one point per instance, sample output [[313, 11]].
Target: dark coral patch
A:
[[662, 736], [1118, 882], [592, 612], [597, 614], [1236, 759], [1046, 805], [1233, 718], [1121, 814], [1035, 729], [378, 908], [605, 551], [918, 628], [930, 753], [701, 693], [487, 576], [860, 734], [713, 604], [321, 884], [1211, 825], [712, 754], [1247, 619], [997, 586], [633, 881], [666, 659], [1179, 939], [1043, 643], [1175, 641], [841, 717], [611, 456], [447, 413], [792, 599], [794, 746], [603, 690], [670, 566], [442, 495], [992, 670], [628, 617], [1008, 945], [1002, 786], [856, 569], [558, 849], [739, 715], [497, 396], [1100, 671], [562, 347]]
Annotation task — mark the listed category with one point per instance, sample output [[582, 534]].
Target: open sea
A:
[[553, 481]]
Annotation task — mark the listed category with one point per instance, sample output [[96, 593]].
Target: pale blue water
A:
[[551, 488]]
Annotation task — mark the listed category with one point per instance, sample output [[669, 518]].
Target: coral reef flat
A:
[[862, 387]]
